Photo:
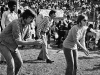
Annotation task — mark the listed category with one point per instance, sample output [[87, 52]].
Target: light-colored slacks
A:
[[44, 51]]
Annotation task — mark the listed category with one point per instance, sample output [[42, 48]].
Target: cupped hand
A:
[[39, 42], [86, 52]]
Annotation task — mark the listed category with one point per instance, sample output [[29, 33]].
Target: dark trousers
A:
[[71, 61]]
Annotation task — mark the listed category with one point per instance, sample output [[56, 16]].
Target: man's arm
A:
[[17, 36]]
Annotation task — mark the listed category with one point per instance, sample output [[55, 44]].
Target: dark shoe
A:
[[49, 61], [39, 58], [2, 62]]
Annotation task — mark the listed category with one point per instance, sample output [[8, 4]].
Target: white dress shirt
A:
[[8, 17]]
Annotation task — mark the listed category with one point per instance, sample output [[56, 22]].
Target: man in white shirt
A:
[[8, 17]]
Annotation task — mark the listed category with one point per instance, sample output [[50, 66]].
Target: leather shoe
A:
[[49, 61], [2, 62]]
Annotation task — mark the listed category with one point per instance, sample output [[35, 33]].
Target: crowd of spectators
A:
[[71, 11], [26, 26]]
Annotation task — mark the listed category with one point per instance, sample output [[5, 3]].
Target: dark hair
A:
[[99, 26], [28, 13], [52, 12], [80, 18], [68, 16], [83, 8], [11, 3], [91, 26], [19, 11]]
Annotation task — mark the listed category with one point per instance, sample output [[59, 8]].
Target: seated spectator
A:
[[90, 35]]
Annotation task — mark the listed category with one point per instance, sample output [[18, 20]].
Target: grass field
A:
[[87, 65]]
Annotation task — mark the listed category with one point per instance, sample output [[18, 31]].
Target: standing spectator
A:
[[11, 37], [8, 16], [3, 9], [98, 37], [42, 29], [76, 36], [83, 11], [32, 30]]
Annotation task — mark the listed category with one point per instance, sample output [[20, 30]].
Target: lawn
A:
[[87, 65]]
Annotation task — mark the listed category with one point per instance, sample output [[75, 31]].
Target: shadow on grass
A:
[[96, 67], [33, 61], [29, 47], [53, 47], [93, 57], [95, 52]]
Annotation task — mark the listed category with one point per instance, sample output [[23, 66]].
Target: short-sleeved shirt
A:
[[75, 33], [11, 33]]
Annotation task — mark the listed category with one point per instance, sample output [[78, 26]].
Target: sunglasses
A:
[[85, 20]]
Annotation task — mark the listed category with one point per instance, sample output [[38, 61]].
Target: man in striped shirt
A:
[[42, 28]]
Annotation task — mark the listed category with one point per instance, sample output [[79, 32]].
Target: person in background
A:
[[98, 37], [19, 13], [83, 11], [10, 15], [11, 37], [42, 29], [76, 37], [2, 10], [90, 34], [7, 17], [68, 24]]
